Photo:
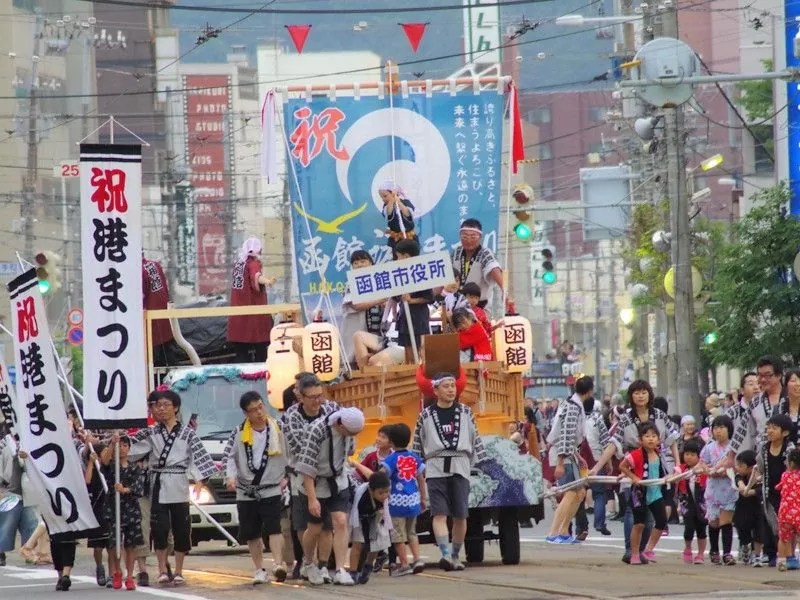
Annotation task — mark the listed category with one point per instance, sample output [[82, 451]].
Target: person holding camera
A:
[[255, 470]]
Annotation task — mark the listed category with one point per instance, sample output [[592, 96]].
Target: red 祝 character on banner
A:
[[26, 318], [109, 190], [315, 133]]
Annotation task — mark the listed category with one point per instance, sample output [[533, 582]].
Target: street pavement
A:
[[591, 570]]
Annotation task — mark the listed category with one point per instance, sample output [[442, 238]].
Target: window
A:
[[25, 4], [597, 114], [539, 115], [763, 148], [545, 151]]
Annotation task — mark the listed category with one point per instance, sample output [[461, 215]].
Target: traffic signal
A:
[[548, 271], [48, 271], [523, 194], [710, 338]]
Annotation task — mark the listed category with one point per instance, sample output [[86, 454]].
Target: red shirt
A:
[[483, 319], [155, 296], [248, 329], [476, 339]]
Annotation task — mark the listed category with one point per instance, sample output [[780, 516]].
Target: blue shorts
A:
[[571, 473], [24, 519]]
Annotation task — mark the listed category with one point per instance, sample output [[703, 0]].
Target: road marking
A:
[[29, 585]]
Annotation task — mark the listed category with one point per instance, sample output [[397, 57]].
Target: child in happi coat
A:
[[789, 510], [691, 504], [748, 518], [720, 494], [638, 465], [130, 487], [370, 524], [399, 213], [771, 463]]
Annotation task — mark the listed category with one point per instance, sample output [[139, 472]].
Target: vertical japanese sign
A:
[[513, 344], [482, 31], [186, 242], [443, 151], [791, 14], [114, 374], [207, 110], [7, 400], [53, 465]]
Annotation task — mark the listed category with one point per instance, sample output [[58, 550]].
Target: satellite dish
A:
[[665, 62]]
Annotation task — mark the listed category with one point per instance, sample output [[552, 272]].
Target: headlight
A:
[[204, 497]]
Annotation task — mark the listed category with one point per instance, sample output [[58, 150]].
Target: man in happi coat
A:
[[255, 470], [175, 454], [446, 436], [311, 405], [326, 492]]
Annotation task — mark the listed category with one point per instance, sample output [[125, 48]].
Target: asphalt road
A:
[[590, 570]]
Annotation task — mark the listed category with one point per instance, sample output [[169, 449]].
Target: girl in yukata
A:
[[720, 495]]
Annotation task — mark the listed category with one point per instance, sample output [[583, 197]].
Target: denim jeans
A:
[[628, 524], [599, 497], [20, 518]]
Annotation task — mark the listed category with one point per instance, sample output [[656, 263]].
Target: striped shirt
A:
[[315, 459], [626, 435], [744, 427], [567, 432]]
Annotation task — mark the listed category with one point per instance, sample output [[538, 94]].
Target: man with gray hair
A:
[[446, 436], [326, 487]]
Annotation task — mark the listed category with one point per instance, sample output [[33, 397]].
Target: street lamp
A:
[[627, 316]]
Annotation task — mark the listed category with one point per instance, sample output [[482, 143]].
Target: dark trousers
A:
[[658, 509], [751, 524], [171, 517], [694, 524], [63, 553]]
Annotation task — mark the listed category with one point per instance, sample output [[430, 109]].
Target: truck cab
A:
[[210, 401]]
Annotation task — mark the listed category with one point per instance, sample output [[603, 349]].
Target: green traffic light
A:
[[549, 277], [523, 232], [44, 286], [710, 338]]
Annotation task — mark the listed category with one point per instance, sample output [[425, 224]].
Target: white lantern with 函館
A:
[[283, 362], [513, 344], [321, 350]]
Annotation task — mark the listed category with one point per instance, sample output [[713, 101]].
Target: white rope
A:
[[394, 163], [324, 294]]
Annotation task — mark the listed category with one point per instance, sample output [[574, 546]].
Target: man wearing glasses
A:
[[173, 452], [255, 470], [473, 262], [769, 370], [296, 422]]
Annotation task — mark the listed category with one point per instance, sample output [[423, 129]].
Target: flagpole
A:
[[117, 520]]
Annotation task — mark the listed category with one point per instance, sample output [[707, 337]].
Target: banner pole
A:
[[213, 521], [117, 519], [411, 332]]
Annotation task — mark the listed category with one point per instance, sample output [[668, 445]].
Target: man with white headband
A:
[[399, 213], [473, 262], [446, 437], [326, 487]]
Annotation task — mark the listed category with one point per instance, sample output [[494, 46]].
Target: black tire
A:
[[509, 536], [473, 544]]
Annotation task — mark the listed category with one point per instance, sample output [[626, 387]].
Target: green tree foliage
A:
[[758, 311], [77, 367]]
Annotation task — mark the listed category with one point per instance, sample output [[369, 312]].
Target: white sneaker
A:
[[260, 576], [326, 576], [304, 571], [314, 575], [342, 577]]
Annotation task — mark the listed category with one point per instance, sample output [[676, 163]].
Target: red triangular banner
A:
[[517, 143], [414, 33], [299, 35]]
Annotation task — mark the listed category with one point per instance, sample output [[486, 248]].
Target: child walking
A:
[[720, 494], [691, 504], [407, 500], [130, 487], [748, 518], [370, 524], [638, 465], [789, 511]]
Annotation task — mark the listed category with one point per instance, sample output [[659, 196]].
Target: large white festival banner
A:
[[114, 371], [54, 466]]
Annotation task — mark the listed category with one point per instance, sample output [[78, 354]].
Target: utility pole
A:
[[597, 315], [28, 208], [681, 248], [613, 327]]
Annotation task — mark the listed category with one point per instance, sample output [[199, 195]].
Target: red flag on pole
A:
[[517, 145], [299, 34], [414, 33]]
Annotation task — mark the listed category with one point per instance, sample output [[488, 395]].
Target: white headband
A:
[[441, 380], [475, 229]]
